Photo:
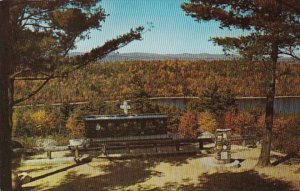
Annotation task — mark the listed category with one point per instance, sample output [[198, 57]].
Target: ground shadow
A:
[[293, 161], [119, 174], [54, 172], [35, 169], [246, 181], [173, 159]]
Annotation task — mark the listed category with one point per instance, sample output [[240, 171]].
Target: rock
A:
[[16, 183], [206, 135], [46, 143], [24, 177], [80, 143], [83, 159]]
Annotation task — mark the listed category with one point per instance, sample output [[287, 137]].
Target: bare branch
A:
[[70, 47], [290, 53], [37, 25], [31, 78], [41, 78], [33, 92], [14, 75]]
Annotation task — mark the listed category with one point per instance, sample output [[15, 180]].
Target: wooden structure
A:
[[113, 126], [105, 145]]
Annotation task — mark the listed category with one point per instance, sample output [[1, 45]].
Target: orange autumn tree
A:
[[188, 126], [285, 132]]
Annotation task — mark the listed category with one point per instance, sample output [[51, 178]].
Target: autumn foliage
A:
[[188, 126], [207, 122], [117, 80], [75, 127], [242, 123], [286, 128], [286, 133], [34, 123]]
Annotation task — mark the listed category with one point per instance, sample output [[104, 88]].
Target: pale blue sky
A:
[[173, 31]]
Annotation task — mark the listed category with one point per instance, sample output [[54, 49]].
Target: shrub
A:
[[174, 116], [286, 135], [29, 122], [244, 123], [208, 122], [29, 142], [75, 127], [42, 123], [217, 100], [188, 126], [21, 126]]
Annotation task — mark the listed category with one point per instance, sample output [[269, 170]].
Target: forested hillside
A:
[[119, 80]]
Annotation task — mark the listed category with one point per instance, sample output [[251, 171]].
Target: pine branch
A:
[[109, 47], [83, 60]]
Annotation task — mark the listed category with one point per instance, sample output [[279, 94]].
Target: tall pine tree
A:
[[271, 28], [36, 37]]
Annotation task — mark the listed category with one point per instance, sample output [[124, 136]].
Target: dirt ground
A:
[[188, 172]]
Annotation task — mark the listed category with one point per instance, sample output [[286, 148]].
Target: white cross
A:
[[125, 107]]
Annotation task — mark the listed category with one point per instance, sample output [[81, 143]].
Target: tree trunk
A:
[[5, 129], [11, 93], [264, 158]]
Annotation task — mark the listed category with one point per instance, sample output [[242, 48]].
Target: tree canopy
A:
[[267, 23], [36, 37], [271, 28], [44, 33]]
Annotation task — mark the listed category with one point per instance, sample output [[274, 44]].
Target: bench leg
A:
[[104, 149], [200, 145], [128, 148], [177, 146], [49, 154], [244, 143], [76, 153]]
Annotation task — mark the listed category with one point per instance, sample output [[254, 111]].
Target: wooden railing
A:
[[128, 145]]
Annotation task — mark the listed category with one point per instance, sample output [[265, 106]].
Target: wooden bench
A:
[[132, 144]]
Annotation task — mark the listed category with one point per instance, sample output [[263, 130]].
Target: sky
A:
[[173, 32]]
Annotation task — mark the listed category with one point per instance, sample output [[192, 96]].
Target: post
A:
[[177, 145], [76, 153], [200, 144], [128, 147], [49, 154], [103, 148]]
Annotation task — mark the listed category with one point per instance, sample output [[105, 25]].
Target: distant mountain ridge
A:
[[136, 56], [153, 56]]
